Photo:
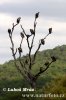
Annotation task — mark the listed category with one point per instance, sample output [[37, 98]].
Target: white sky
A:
[[50, 16]]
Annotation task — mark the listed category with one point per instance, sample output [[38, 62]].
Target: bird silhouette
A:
[[50, 30], [20, 49], [46, 63], [26, 61], [9, 30], [18, 20], [37, 15], [32, 31], [41, 69], [22, 35], [42, 41], [53, 58]]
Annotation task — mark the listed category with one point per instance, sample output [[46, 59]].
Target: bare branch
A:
[[37, 51], [23, 30], [24, 66], [32, 33]]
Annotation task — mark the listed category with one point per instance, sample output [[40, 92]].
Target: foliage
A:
[[52, 81]]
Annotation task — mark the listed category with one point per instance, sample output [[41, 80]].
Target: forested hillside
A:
[[52, 81]]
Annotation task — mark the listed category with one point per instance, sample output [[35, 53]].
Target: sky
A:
[[52, 14]]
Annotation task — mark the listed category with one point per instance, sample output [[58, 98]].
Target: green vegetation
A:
[[52, 81]]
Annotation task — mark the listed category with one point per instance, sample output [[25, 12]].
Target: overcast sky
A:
[[52, 14]]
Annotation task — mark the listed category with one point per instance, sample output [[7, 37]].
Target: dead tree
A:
[[29, 60]]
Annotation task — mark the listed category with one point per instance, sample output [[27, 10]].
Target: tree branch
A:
[[22, 65], [40, 72]]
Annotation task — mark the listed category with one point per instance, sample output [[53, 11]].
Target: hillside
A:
[[52, 81]]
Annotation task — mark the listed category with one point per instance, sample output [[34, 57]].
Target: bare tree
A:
[[29, 60]]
